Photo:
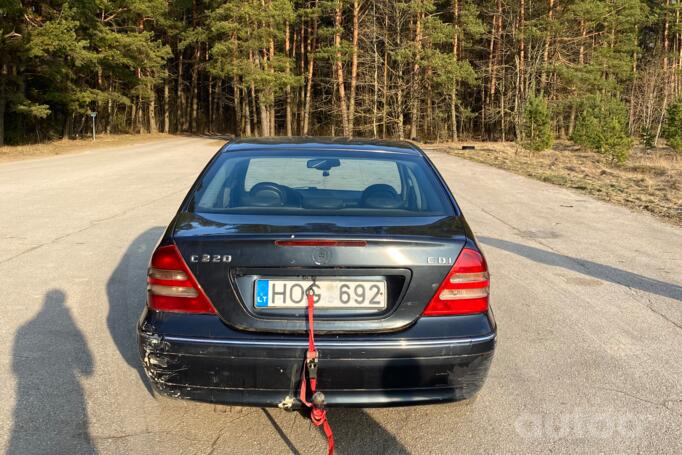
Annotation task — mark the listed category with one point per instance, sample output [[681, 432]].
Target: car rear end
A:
[[402, 310]]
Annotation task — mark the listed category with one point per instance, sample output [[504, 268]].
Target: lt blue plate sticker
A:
[[262, 287]]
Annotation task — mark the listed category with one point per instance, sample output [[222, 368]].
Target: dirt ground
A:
[[650, 180], [18, 152]]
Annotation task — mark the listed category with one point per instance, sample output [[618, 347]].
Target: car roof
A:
[[320, 143]]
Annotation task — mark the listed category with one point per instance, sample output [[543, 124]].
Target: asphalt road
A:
[[588, 298]]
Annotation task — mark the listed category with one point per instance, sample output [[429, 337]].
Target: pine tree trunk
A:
[[133, 117], [271, 107], [238, 120], [180, 99], [139, 115], [209, 103], [247, 115], [300, 44], [571, 119], [384, 95], [522, 50], [288, 87], [416, 93], [312, 41], [194, 87], [333, 123], [218, 106], [633, 85], [677, 83], [375, 98], [581, 62], [399, 95], [494, 51], [166, 106], [519, 93], [401, 118], [545, 53], [262, 106], [666, 78], [254, 110], [308, 94], [152, 113], [428, 127], [503, 107], [264, 117], [3, 101], [455, 57], [354, 67], [68, 125], [240, 124], [339, 68], [110, 115]]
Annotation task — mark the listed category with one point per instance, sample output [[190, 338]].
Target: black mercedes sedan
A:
[[343, 264]]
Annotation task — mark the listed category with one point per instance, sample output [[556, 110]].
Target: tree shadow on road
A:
[[48, 358], [593, 269], [126, 294]]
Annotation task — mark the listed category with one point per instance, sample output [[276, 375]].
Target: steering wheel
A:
[[268, 194]]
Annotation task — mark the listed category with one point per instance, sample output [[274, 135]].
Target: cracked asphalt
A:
[[588, 298]]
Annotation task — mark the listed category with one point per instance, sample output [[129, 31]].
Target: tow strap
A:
[[318, 415]]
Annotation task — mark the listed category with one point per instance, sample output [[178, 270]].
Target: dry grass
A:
[[650, 180], [10, 153]]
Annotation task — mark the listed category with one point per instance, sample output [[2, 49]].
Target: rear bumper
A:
[[262, 370]]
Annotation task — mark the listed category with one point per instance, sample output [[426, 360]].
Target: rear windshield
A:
[[321, 183]]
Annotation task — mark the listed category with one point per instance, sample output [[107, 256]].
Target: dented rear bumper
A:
[[424, 364]]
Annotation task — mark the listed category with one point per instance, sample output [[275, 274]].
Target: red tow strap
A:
[[318, 415]]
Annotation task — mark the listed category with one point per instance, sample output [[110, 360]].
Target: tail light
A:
[[465, 290], [171, 285]]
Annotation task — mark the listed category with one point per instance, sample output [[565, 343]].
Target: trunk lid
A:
[[228, 253]]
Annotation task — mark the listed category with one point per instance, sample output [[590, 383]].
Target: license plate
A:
[[330, 294]]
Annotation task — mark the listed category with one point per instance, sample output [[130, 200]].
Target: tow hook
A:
[[287, 403], [318, 400]]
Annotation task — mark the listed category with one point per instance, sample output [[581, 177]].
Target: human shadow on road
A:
[[48, 358], [126, 294], [593, 269]]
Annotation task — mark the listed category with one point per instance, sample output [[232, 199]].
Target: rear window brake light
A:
[[314, 242]]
